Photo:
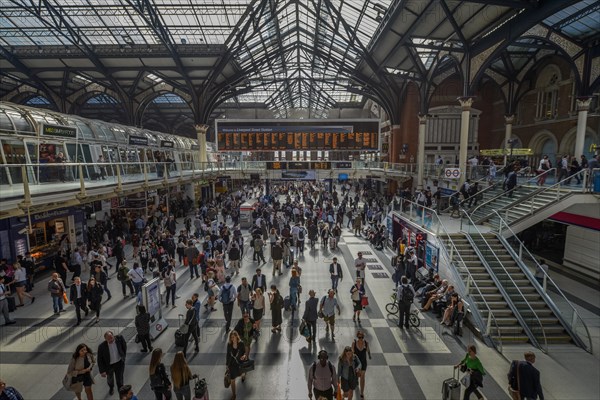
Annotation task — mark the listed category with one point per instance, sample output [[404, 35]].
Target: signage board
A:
[[344, 165], [343, 177], [167, 144], [151, 300], [452, 173], [60, 131], [502, 152], [136, 140], [299, 135]]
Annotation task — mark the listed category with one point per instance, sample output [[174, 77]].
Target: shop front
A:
[[51, 232]]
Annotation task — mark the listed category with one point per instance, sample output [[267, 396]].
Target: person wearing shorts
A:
[[328, 307]]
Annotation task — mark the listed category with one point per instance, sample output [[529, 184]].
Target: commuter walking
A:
[[78, 296], [310, 315], [244, 291], [405, 295], [235, 355], [258, 307], [125, 279], [170, 281], [142, 326], [361, 349], [328, 306], [276, 303], [322, 378], [79, 369], [56, 287], [472, 365], [159, 380], [94, 293], [357, 291], [227, 298], [111, 360], [4, 303], [524, 378], [181, 375], [294, 289], [192, 325], [348, 370], [335, 273]]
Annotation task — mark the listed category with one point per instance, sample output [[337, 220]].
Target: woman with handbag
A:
[[80, 369], [357, 291], [258, 307], [348, 371], [474, 372], [95, 292], [181, 376], [159, 380], [235, 355]]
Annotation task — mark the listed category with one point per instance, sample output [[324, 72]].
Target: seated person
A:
[[440, 304], [454, 308], [434, 295], [432, 285]]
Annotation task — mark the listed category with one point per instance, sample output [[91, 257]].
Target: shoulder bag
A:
[[515, 394]]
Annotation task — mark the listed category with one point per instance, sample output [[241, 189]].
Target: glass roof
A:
[[579, 21]]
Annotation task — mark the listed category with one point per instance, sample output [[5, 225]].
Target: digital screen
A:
[[343, 177], [153, 297], [299, 135]]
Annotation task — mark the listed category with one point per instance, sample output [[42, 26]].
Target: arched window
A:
[[547, 96]]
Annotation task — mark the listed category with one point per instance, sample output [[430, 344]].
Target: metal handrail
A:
[[541, 289], [533, 196], [502, 288], [471, 283], [508, 191]]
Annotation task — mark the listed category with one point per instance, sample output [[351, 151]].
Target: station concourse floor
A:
[[405, 364]]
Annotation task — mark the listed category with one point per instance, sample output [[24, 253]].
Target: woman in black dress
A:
[[95, 291], [235, 354], [159, 380], [79, 370], [360, 347], [276, 302]]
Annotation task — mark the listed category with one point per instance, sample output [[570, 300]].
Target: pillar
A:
[[508, 121], [465, 116], [583, 106], [395, 145], [201, 132], [421, 151]]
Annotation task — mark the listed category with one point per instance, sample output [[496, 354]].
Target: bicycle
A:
[[392, 308]]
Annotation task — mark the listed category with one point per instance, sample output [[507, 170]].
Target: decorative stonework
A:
[[466, 102], [496, 77], [201, 128], [537, 30], [565, 44], [481, 58], [579, 63], [583, 103], [422, 119], [595, 69], [509, 119]]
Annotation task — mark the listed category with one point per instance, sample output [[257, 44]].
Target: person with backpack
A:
[[300, 241], [327, 307], [322, 378], [524, 378], [227, 297], [125, 279], [405, 296]]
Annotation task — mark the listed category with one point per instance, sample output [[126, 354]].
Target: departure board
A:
[[299, 135]]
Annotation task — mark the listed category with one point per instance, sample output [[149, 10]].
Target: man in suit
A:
[[78, 297], [111, 359], [259, 281], [528, 380], [335, 272], [192, 322]]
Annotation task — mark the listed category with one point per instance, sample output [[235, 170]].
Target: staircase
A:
[[554, 331], [509, 327], [496, 200]]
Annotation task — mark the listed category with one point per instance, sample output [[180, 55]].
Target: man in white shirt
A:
[[335, 271], [360, 264]]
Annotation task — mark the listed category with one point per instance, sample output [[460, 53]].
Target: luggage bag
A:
[[180, 337], [451, 387], [287, 303]]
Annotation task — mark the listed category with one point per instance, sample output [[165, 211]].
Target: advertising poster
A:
[[432, 255]]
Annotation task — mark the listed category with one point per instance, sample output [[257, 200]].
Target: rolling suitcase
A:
[[451, 387], [332, 243], [180, 337], [287, 303]]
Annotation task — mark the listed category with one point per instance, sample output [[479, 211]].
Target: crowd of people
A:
[[211, 248]]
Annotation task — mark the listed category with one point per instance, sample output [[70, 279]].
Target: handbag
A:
[[466, 379], [515, 394], [246, 366], [185, 328], [227, 379], [65, 298], [320, 314], [364, 301]]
